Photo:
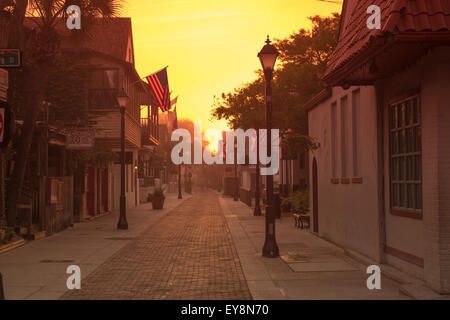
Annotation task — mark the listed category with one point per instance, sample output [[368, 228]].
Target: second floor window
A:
[[103, 88], [105, 79]]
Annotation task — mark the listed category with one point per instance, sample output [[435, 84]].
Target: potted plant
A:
[[299, 201], [286, 205], [157, 198], [7, 235]]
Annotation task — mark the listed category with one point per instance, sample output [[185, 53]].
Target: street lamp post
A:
[[268, 56], [180, 196], [122, 100], [257, 211], [235, 193]]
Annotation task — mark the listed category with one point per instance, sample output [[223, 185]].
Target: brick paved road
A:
[[188, 254]]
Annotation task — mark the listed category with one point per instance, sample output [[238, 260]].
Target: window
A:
[[56, 192], [405, 155], [344, 141], [105, 79], [333, 140], [103, 88], [355, 131]]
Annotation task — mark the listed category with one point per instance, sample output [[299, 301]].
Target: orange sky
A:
[[211, 45]]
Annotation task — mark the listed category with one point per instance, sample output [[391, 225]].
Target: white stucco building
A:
[[381, 176]]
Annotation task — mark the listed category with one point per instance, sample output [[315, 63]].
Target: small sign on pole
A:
[[80, 139], [9, 58], [2, 124], [3, 84], [7, 124]]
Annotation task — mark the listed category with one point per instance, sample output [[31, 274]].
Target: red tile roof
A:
[[397, 16]]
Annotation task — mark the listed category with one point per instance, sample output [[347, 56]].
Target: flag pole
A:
[[156, 72]]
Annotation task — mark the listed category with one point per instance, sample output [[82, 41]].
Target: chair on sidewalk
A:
[[301, 220]]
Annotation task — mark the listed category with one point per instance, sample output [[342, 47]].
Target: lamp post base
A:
[[270, 249], [122, 224]]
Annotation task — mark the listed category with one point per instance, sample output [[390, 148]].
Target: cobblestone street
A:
[[187, 254], [204, 247]]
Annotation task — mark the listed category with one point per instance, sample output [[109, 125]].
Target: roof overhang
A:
[[384, 56], [319, 98], [129, 67]]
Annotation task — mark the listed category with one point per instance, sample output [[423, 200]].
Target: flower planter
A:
[[158, 203]]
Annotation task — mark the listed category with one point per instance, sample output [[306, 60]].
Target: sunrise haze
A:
[[211, 46]]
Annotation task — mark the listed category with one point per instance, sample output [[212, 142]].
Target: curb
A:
[[12, 245], [410, 286], [96, 217]]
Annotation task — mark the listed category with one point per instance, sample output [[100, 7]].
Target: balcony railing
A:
[[148, 132], [103, 99]]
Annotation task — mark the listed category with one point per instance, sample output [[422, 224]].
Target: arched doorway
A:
[[315, 195]]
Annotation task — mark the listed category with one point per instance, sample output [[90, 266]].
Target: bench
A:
[[301, 219]]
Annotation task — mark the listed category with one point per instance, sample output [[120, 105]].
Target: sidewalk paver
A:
[[38, 269], [308, 267]]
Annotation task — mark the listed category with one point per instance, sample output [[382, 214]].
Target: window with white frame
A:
[[405, 154]]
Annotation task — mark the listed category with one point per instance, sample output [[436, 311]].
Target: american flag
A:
[[174, 102], [175, 121], [159, 84]]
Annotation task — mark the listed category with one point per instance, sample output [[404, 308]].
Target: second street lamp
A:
[[122, 100], [180, 196], [268, 56], [257, 211], [235, 193]]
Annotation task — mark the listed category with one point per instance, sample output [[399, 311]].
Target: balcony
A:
[[148, 133], [103, 99]]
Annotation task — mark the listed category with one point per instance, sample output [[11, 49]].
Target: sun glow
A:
[[213, 137], [211, 46]]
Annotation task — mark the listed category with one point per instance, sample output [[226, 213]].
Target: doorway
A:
[[90, 190], [315, 190], [104, 178]]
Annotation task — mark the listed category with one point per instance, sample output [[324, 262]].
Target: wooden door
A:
[[105, 190], [315, 188], [90, 196]]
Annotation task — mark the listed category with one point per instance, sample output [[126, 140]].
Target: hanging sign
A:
[[3, 84], [9, 58], [80, 139]]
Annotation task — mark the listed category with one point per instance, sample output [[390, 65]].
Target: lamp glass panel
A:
[[268, 60], [122, 99]]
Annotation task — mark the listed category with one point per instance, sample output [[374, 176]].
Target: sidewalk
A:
[[38, 269], [308, 268]]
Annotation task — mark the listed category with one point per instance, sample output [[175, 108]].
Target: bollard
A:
[[2, 293]]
